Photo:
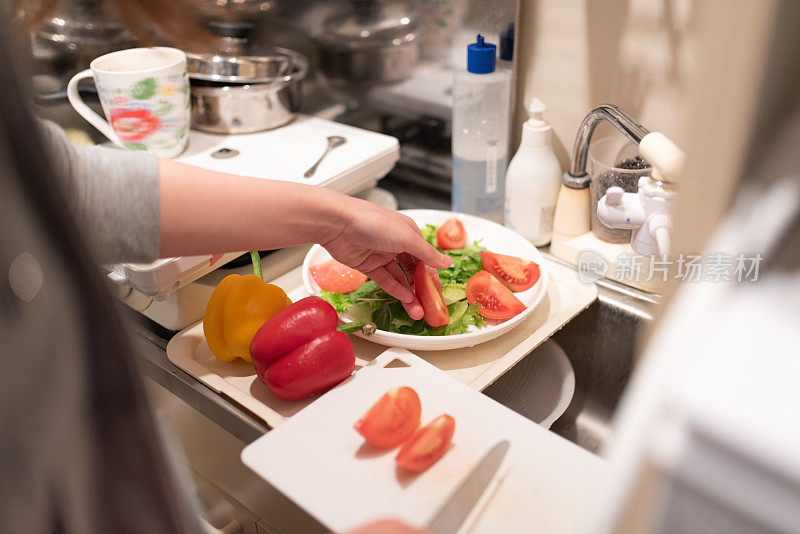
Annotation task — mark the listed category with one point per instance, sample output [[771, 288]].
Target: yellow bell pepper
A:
[[238, 307]]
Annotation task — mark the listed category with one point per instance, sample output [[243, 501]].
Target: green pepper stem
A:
[[256, 257], [367, 327]]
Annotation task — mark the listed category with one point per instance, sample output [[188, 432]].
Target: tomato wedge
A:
[[427, 445], [495, 301], [428, 289], [392, 419], [514, 273], [451, 235], [337, 277]]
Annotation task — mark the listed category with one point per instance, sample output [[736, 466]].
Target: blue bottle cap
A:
[[480, 56]]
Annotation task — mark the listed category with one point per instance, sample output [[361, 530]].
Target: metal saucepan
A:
[[375, 43], [222, 103]]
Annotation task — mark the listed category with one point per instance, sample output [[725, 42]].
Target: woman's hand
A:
[[386, 246]]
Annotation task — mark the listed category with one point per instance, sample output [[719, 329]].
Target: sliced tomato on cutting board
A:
[[514, 273], [495, 301], [427, 445], [337, 277], [451, 235], [428, 289], [391, 420]]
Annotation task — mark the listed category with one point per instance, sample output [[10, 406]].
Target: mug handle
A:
[[86, 112]]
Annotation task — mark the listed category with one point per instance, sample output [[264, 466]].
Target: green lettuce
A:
[[429, 233]]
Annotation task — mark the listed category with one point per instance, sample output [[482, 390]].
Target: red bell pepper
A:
[[299, 352]]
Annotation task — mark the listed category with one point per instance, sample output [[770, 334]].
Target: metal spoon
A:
[[333, 142]]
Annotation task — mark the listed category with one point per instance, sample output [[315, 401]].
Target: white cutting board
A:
[[321, 463]]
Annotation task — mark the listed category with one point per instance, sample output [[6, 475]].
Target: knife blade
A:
[[459, 504]]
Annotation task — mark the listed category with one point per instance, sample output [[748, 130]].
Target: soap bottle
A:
[[533, 180], [481, 100]]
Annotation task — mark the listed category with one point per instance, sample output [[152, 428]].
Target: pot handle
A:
[[86, 112]]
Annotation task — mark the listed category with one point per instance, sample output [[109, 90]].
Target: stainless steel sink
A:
[[600, 343]]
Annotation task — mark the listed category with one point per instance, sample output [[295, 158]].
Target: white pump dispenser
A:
[[535, 131], [532, 180]]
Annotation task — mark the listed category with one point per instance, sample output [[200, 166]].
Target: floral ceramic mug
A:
[[145, 96]]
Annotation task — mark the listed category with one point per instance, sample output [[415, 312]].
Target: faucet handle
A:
[[614, 196], [663, 155]]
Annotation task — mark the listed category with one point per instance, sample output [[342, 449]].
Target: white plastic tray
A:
[[476, 366]]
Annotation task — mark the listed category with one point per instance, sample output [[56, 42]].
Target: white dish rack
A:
[[164, 290]]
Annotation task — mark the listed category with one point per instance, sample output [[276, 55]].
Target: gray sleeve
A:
[[113, 193]]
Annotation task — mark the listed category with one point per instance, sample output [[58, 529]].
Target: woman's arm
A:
[[112, 193], [206, 211]]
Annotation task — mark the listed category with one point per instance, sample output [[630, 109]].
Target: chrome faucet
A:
[[576, 177], [647, 212]]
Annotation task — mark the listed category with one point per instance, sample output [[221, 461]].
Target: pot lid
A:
[[372, 23], [271, 67]]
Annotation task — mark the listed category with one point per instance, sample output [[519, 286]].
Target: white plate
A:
[[495, 238]]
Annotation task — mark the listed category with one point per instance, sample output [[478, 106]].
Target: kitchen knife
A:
[[464, 498]]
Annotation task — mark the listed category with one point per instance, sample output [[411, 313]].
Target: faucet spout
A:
[[576, 177]]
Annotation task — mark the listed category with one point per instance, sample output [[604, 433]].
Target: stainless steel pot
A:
[[375, 43], [221, 105]]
